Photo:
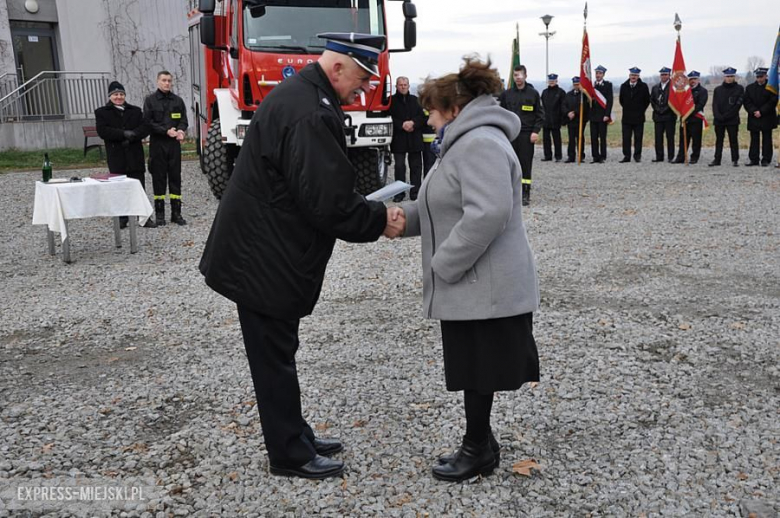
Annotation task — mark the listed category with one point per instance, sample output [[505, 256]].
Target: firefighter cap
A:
[[730, 71], [575, 80], [694, 73], [634, 70], [364, 49], [600, 69], [665, 70], [760, 71]]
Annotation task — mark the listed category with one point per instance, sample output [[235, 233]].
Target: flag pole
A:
[[678, 27], [582, 95]]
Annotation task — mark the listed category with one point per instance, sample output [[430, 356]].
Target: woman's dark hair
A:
[[475, 78]]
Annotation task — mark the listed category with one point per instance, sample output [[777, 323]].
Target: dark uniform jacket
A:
[[124, 155], [290, 197], [634, 101], [700, 96], [404, 108], [759, 99], [526, 104], [163, 111], [659, 100], [571, 103], [597, 113], [726, 102], [552, 100]]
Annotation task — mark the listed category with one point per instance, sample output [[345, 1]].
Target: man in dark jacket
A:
[[694, 124], [600, 117], [727, 100], [634, 98], [408, 124], [166, 116], [552, 101], [290, 197], [524, 101], [571, 110], [122, 128], [761, 106], [663, 116]]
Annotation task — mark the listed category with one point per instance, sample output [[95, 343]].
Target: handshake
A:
[[396, 223]]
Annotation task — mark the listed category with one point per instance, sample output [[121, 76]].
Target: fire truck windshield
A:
[[294, 26]]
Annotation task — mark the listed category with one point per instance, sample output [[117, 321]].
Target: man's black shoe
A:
[[569, 161], [595, 161], [327, 447], [317, 468], [176, 218], [150, 224], [678, 161], [656, 159], [764, 164], [714, 163], [736, 163], [751, 164], [557, 159], [693, 161], [637, 159], [625, 160], [546, 159]]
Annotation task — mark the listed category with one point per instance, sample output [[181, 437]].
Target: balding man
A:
[[290, 197]]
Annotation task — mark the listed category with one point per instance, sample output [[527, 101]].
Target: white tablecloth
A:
[[56, 202]]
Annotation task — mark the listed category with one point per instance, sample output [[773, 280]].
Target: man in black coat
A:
[[571, 109], [290, 197], [524, 101], [409, 121], [694, 124], [122, 128], [634, 98], [727, 100], [761, 106], [166, 116], [552, 101], [663, 116], [600, 117]]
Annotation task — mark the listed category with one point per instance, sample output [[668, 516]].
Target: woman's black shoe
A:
[[444, 459], [471, 460], [317, 468]]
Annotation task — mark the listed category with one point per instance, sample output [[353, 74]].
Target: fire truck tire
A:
[[371, 166], [218, 160]]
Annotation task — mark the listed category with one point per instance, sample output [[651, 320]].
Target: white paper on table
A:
[[388, 191]]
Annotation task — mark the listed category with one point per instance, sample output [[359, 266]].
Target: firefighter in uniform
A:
[[552, 101], [600, 118], [726, 102], [524, 101], [634, 98], [166, 116], [761, 107], [694, 124], [290, 197], [429, 157], [663, 116], [571, 109]]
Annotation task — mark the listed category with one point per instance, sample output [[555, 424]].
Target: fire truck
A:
[[241, 49]]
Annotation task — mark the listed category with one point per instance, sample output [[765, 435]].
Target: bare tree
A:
[[753, 62]]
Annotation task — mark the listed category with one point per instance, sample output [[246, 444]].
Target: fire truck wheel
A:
[[218, 160], [371, 166]]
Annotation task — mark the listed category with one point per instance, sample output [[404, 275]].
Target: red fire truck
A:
[[241, 49]]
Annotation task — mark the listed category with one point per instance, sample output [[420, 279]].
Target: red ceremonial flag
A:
[[680, 96], [586, 80]]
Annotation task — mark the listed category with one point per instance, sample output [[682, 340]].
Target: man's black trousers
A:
[[693, 131], [598, 140], [574, 136], [720, 133], [552, 136], [667, 129], [270, 348], [415, 170], [757, 138], [524, 150], [165, 167], [637, 131]]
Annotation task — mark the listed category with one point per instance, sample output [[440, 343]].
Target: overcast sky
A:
[[623, 33]]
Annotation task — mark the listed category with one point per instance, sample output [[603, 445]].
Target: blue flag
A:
[[774, 70]]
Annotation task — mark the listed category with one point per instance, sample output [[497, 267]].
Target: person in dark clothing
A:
[[408, 124], [122, 128], [290, 197], [694, 124], [663, 116], [571, 110], [552, 101], [634, 98], [761, 107], [727, 100], [600, 117], [429, 157], [166, 116], [524, 101]]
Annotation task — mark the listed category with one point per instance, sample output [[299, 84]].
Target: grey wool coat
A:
[[477, 262]]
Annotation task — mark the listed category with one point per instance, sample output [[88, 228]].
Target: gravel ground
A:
[[658, 339]]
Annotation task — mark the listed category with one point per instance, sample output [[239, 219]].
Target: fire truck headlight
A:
[[241, 131], [375, 130]]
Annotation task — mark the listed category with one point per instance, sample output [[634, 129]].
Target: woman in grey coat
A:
[[479, 275]]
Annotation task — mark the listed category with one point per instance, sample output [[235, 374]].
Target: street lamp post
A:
[[547, 18]]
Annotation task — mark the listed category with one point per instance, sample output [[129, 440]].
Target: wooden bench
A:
[[91, 132]]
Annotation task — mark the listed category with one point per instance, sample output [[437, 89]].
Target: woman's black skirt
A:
[[489, 355]]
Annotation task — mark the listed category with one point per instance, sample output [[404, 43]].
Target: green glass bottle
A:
[[46, 168]]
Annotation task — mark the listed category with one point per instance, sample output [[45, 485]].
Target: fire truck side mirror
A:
[[410, 10], [212, 33], [207, 6], [410, 34]]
